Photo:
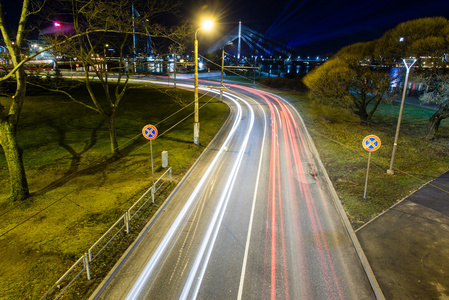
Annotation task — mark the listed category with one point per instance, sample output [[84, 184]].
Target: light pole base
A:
[[196, 133], [390, 171]]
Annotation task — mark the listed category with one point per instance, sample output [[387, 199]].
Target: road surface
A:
[[253, 219]]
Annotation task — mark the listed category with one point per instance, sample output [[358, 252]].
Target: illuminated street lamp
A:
[[408, 64], [207, 25]]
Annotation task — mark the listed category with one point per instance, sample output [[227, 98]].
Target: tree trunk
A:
[[364, 117], [376, 104], [435, 120], [113, 133], [8, 140], [432, 127], [13, 155]]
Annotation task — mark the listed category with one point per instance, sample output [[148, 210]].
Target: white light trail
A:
[[250, 225], [149, 268], [215, 224]]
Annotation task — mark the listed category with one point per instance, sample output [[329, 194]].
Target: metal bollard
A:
[[127, 221], [153, 191], [164, 159], [86, 265]]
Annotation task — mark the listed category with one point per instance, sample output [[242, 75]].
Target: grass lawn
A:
[[338, 137], [78, 191]]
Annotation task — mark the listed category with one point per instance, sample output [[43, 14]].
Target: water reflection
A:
[[396, 77], [281, 69]]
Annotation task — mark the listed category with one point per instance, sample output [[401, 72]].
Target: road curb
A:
[[363, 260]]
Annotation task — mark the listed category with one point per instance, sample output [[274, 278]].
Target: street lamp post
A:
[[222, 70], [408, 64], [196, 125]]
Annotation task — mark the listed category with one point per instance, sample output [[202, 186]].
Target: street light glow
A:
[[207, 24]]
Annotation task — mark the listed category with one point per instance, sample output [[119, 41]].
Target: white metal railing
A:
[[106, 239], [153, 189], [125, 220], [72, 268]]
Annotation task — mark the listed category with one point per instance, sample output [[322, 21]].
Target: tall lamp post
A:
[[207, 25], [408, 64], [222, 70]]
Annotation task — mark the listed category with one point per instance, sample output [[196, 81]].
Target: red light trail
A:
[[284, 125], [268, 225]]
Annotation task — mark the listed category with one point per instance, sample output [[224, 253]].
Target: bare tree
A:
[[100, 25], [10, 113], [437, 93], [94, 20]]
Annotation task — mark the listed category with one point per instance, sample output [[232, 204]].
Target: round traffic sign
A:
[[149, 132], [371, 143]]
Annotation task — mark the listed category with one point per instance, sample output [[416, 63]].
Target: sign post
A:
[[150, 133], [370, 143]]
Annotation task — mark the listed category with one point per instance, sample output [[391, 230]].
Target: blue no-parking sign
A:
[[149, 132], [371, 143]]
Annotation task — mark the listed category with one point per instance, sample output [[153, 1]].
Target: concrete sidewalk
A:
[[411, 100], [408, 246]]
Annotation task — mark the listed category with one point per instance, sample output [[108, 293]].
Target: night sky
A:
[[312, 27], [317, 27]]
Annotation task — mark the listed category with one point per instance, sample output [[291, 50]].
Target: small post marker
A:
[[370, 143]]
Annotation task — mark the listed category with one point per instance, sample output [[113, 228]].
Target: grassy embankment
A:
[[338, 136], [78, 190]]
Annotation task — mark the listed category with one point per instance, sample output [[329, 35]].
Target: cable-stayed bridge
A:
[[248, 42]]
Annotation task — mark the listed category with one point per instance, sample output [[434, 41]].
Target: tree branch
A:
[[21, 63], [67, 94]]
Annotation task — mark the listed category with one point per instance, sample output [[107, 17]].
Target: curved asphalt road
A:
[[253, 219]]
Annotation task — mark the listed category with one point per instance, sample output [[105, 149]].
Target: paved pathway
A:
[[416, 102], [408, 246]]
